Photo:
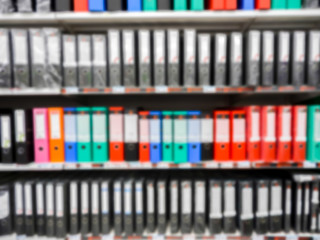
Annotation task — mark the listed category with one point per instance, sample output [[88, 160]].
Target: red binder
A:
[[80, 6], [284, 133], [230, 4], [144, 137], [263, 4], [253, 133], [116, 134], [268, 133], [216, 4], [222, 135], [238, 135], [299, 133]]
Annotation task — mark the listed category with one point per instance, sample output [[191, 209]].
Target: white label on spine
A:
[[70, 133], [317, 125], [239, 130], [215, 202], [299, 38], [190, 47], [84, 50], [271, 126], [315, 196], [221, 56], [131, 128], [116, 131], [128, 197], [306, 201], [83, 127], [99, 48], [99, 127], [180, 130], [128, 42], [167, 130], [84, 198], [59, 201], [301, 125], [139, 198], [117, 197], [315, 46], [161, 198], [69, 51], [144, 46], [95, 198], [200, 197], [255, 45], [174, 197], [5, 205], [268, 48], [104, 198], [288, 200], [155, 132], [73, 198], [263, 196], [4, 43], [284, 39], [20, 48], [186, 198], [194, 130], [38, 50], [18, 198], [206, 130], [276, 200], [173, 41], [237, 48], [247, 203], [54, 49], [299, 201], [144, 130], [20, 126], [159, 43], [114, 49], [222, 130], [49, 200], [229, 198], [40, 199], [255, 126], [55, 125], [5, 132], [286, 125], [150, 199], [204, 46], [40, 126]]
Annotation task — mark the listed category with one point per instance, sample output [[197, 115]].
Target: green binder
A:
[[313, 133], [150, 5], [180, 5], [84, 134], [197, 5], [167, 136], [100, 134], [294, 4], [279, 4], [180, 150]]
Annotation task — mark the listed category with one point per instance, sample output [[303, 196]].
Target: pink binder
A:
[[41, 135]]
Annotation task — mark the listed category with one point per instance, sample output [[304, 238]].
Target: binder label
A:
[[5, 205], [95, 198], [116, 134], [174, 198], [59, 201], [271, 131], [4, 41], [70, 134], [55, 125], [221, 49], [173, 41], [69, 50], [239, 125], [114, 48], [204, 41], [276, 208], [161, 199], [38, 50], [180, 129], [315, 53], [247, 203], [193, 131], [255, 44], [237, 50], [222, 130], [20, 46], [255, 126], [144, 130], [40, 199], [284, 46], [207, 130], [84, 131], [215, 203], [99, 125], [139, 198], [306, 201], [317, 125], [190, 46], [150, 199], [144, 44], [299, 201], [186, 198], [286, 125], [117, 198], [155, 134], [73, 198], [104, 198], [269, 47], [288, 200], [40, 126], [18, 198], [99, 48], [128, 47], [229, 210], [159, 42], [300, 47], [128, 198], [167, 130], [263, 196], [20, 126], [84, 48], [84, 198], [5, 132], [49, 200], [200, 197], [54, 49], [315, 196], [131, 130]]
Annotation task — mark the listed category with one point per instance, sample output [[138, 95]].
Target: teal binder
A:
[[313, 133], [180, 150], [167, 136], [84, 134], [100, 134]]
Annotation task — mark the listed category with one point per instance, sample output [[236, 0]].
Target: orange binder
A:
[[230, 4], [263, 4], [216, 4], [144, 137], [299, 133], [268, 133], [253, 133], [56, 134], [238, 135], [116, 125], [284, 133], [80, 6], [222, 135]]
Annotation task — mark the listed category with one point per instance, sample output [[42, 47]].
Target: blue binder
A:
[[155, 136], [134, 5], [194, 136], [246, 4], [70, 134], [97, 5]]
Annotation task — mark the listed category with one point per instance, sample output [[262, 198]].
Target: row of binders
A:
[[100, 134], [136, 206], [45, 58], [149, 5]]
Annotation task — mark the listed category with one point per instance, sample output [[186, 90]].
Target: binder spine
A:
[[151, 200], [84, 147], [139, 207], [313, 58], [116, 123], [19, 209], [287, 206], [215, 206], [131, 145], [200, 206], [173, 41], [70, 134], [100, 134], [229, 211], [268, 134], [180, 150], [167, 136], [162, 206], [159, 39], [118, 207], [283, 58], [60, 211], [99, 60], [40, 209], [238, 135], [298, 61], [189, 58], [204, 59], [235, 62], [186, 206], [220, 62], [253, 58], [155, 137], [115, 59], [222, 135], [207, 129], [105, 190], [276, 206], [284, 128], [253, 133], [74, 195], [69, 61], [144, 58], [6, 139], [95, 208], [314, 206], [85, 209], [50, 210], [246, 207], [128, 207], [5, 59], [174, 206], [262, 206], [268, 58], [84, 44], [194, 136], [129, 58], [144, 136], [6, 227]]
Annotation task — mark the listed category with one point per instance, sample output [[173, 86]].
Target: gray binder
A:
[[84, 44], [105, 206], [229, 208], [162, 206], [204, 59], [262, 206], [311, 4], [74, 207], [220, 60], [128, 207], [144, 58], [139, 207], [5, 59], [19, 208], [276, 211], [314, 58], [85, 206], [61, 209], [253, 58], [40, 208], [235, 59], [245, 207], [189, 69], [200, 206], [50, 210], [186, 206], [298, 58], [151, 200], [70, 61], [129, 58], [267, 70], [283, 57], [115, 77], [159, 53], [215, 206], [117, 207], [95, 208], [173, 51], [99, 49]]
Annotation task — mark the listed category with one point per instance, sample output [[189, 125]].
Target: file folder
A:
[[151, 201], [180, 150], [284, 133], [253, 133], [60, 209], [314, 206], [6, 226], [19, 208], [5, 59], [174, 206], [6, 138], [279, 4], [313, 58], [217, 4], [144, 136], [262, 188], [149, 5], [268, 133], [84, 44], [159, 67], [197, 5], [287, 205], [313, 144], [20, 58], [204, 59], [200, 206], [306, 208], [298, 60], [253, 58], [128, 207], [179, 5], [115, 5], [56, 136], [189, 71], [231, 5], [50, 203], [246, 207], [134, 5], [41, 135], [116, 134], [235, 59], [97, 5], [162, 206], [186, 201], [220, 62], [129, 58], [246, 4], [215, 207], [155, 136], [42, 6], [222, 135], [167, 136], [294, 4], [80, 5], [99, 60], [100, 134], [114, 57], [276, 206], [144, 58], [238, 135], [29, 210], [194, 136], [299, 137], [311, 4], [85, 194], [74, 207], [139, 206], [297, 206], [95, 208], [173, 41], [24, 6], [40, 208], [84, 137], [70, 134], [70, 61], [229, 208], [207, 136], [105, 190], [263, 4], [131, 145], [63, 5], [267, 70], [164, 5], [283, 57]]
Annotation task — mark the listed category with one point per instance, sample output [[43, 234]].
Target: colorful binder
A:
[[284, 133], [179, 5], [100, 134], [80, 5], [70, 134], [149, 5], [216, 4], [41, 135], [246, 4], [238, 135], [279, 4], [167, 136], [134, 5], [196, 5], [180, 137], [194, 136], [313, 133], [56, 137], [253, 133], [155, 136], [294, 4], [263, 4], [144, 136], [268, 133], [84, 134], [116, 123], [299, 136], [222, 135], [97, 5]]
